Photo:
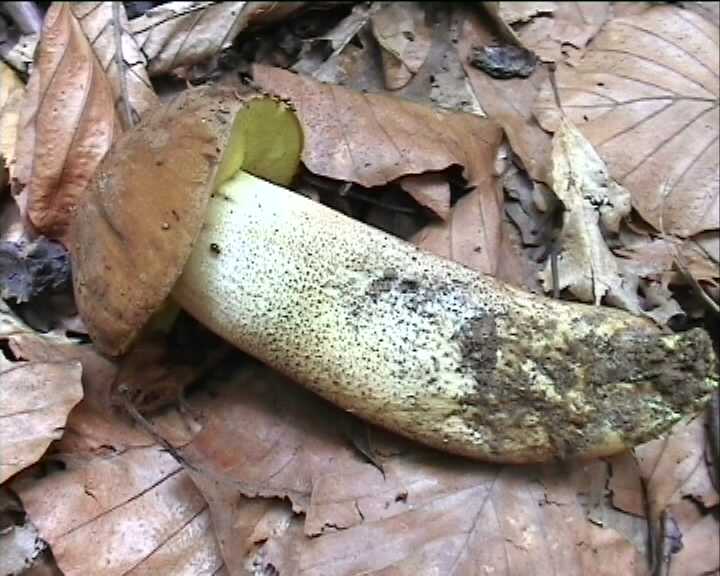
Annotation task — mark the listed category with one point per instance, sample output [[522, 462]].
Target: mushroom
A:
[[190, 206]]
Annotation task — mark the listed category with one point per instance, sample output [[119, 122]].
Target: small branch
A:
[[120, 64]]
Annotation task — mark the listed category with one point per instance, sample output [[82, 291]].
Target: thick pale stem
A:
[[426, 347]]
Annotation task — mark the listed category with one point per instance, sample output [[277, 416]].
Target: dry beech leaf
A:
[[655, 257], [136, 510], [313, 59], [121, 496], [178, 34], [67, 122], [371, 140], [508, 102], [681, 499], [424, 512], [593, 201], [518, 12], [405, 39], [12, 93], [35, 399], [646, 96], [429, 190], [126, 71], [552, 29]]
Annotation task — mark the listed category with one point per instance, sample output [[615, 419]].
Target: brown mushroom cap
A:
[[143, 211]]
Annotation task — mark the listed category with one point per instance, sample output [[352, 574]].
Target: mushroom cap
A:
[[143, 211]]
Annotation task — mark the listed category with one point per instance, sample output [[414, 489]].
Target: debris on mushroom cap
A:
[[143, 210]]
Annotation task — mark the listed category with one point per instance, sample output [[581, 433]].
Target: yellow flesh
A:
[[276, 138]]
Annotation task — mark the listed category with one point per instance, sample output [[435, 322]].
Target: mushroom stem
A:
[[426, 347]]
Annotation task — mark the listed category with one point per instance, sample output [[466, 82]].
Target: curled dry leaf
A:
[[12, 92], [182, 33], [593, 201], [424, 512], [67, 122], [371, 140], [106, 26], [646, 95], [35, 399], [405, 39]]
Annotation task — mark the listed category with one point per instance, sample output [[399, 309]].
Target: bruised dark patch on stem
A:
[[478, 343]]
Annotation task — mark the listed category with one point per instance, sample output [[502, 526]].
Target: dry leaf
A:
[[405, 39], [126, 70], [680, 496], [646, 96], [508, 102], [372, 140], [123, 497], [555, 30], [429, 190], [424, 512], [20, 545], [136, 510], [67, 122], [35, 399], [178, 34], [12, 93], [593, 202], [314, 60], [515, 12]]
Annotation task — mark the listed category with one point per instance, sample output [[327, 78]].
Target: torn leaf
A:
[[593, 202], [35, 400], [405, 39], [178, 34]]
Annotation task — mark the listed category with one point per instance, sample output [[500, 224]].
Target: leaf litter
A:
[[294, 485]]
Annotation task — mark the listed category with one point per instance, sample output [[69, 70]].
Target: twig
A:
[[553, 82], [120, 64], [133, 412]]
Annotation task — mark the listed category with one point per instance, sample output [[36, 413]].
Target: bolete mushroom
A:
[[189, 205]]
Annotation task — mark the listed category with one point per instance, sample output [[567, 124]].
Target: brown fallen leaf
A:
[[106, 26], [313, 59], [424, 512], [508, 102], [555, 31], [136, 510], [120, 495], [429, 190], [12, 93], [178, 34], [35, 399], [67, 123], [681, 500], [371, 140], [405, 39], [646, 96]]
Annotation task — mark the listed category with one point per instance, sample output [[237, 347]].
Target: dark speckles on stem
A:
[[215, 248]]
